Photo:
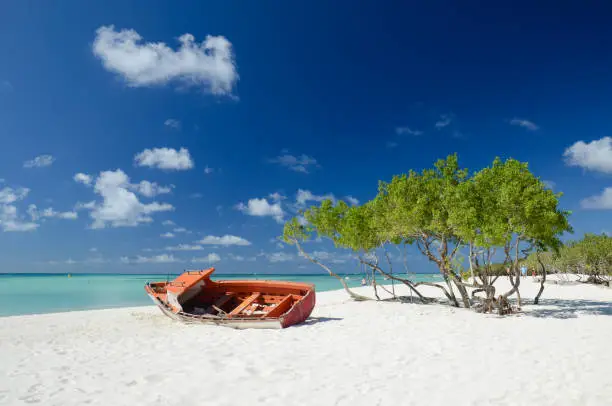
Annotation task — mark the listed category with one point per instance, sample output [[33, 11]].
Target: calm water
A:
[[49, 293]]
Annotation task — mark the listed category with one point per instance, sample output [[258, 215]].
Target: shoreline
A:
[[347, 353]]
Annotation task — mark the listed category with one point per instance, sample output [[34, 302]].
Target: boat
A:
[[194, 298]]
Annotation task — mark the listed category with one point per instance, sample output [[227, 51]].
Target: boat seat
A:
[[246, 303], [222, 301], [280, 308]]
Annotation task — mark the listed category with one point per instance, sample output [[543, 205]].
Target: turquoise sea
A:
[[50, 293]]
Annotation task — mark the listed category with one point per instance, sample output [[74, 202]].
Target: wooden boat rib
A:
[[194, 298]]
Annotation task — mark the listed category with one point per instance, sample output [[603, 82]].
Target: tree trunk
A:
[[451, 293], [352, 294], [537, 298], [392, 277]]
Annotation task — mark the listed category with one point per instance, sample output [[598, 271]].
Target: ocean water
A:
[[50, 293]]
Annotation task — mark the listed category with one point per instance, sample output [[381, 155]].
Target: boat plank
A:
[[280, 308], [247, 302]]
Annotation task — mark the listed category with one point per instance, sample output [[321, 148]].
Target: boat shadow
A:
[[316, 320], [569, 309]]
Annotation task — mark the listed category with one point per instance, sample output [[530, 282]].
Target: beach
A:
[[348, 353]]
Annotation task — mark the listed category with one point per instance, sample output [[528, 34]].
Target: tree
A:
[[505, 206], [444, 211], [591, 256]]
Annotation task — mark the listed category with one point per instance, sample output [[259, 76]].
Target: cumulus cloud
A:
[[83, 178], [172, 123], [209, 259], [599, 202], [595, 155], [530, 125], [208, 65], [149, 189], [302, 163], [407, 131], [180, 230], [262, 208], [156, 259], [120, 207], [208, 170], [10, 220], [39, 162], [168, 223], [226, 240], [167, 235], [165, 158]]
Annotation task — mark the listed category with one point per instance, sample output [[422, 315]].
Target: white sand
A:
[[353, 354]]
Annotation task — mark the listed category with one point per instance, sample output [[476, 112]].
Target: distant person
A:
[[363, 282], [524, 271]]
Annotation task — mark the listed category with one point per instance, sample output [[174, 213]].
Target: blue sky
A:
[[117, 118]]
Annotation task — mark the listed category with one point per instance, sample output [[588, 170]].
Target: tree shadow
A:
[[568, 309]]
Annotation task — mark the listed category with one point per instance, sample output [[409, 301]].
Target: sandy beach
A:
[[348, 353]]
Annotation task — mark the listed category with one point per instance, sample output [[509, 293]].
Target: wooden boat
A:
[[194, 298]]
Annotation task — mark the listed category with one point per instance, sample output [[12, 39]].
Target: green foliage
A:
[[592, 256], [506, 201], [416, 204], [443, 209]]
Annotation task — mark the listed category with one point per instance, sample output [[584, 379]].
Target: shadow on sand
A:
[[567, 309], [316, 320]]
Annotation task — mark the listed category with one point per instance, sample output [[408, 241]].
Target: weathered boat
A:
[[194, 298]]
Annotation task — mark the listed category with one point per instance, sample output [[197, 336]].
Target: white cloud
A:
[[172, 123], [530, 125], [595, 155], [549, 184], [304, 196], [185, 247], [391, 144], [276, 197], [39, 162], [168, 223], [93, 249], [444, 121], [330, 257], [261, 208], [157, 259], [209, 259], [10, 220], [9, 195], [406, 130], [602, 202], [209, 65], [180, 230], [167, 235], [150, 189], [208, 170], [165, 158], [279, 257], [83, 178], [225, 240], [49, 212], [352, 201], [120, 207], [85, 206], [300, 163]]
